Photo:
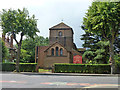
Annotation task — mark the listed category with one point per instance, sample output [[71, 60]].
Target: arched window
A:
[[61, 52], [60, 33], [52, 52], [56, 51]]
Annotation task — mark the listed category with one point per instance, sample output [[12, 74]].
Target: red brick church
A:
[[61, 47]]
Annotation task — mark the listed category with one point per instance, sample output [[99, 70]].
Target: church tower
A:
[[62, 34]]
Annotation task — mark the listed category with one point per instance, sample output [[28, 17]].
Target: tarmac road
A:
[[27, 80]]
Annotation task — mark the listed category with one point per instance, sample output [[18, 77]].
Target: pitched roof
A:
[[54, 44], [60, 26]]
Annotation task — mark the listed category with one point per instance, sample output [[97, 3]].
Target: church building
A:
[[61, 47]]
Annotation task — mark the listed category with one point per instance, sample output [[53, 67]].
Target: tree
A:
[[28, 46], [96, 45], [103, 18], [19, 22]]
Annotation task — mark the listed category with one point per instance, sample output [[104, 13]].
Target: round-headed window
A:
[[52, 52], [56, 51], [61, 52], [60, 33]]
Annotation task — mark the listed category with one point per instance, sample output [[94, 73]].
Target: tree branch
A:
[[116, 31], [104, 35], [14, 36], [22, 34]]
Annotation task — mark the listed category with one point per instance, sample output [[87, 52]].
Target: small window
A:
[[61, 52], [56, 51], [52, 52], [60, 33]]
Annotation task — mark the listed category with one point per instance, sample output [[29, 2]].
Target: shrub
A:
[[81, 68], [117, 63]]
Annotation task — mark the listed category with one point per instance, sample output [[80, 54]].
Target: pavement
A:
[[68, 74]]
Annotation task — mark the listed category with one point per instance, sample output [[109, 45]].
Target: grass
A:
[[44, 70]]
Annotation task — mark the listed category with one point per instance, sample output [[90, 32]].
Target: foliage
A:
[[90, 40], [24, 56], [24, 67], [117, 44], [97, 46], [88, 54], [81, 68], [5, 51], [117, 62], [103, 18], [19, 22], [28, 46], [98, 55], [99, 51]]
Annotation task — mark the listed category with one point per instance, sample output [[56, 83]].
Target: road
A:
[[10, 80]]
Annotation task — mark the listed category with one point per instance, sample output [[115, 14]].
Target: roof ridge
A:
[[61, 26]]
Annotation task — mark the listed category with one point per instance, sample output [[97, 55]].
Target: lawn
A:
[[44, 70]]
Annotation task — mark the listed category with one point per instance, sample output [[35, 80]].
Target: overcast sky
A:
[[52, 12]]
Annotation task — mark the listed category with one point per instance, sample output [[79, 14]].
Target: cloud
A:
[[6, 4], [51, 12]]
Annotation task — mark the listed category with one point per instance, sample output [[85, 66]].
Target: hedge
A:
[[82, 68], [24, 67], [118, 67]]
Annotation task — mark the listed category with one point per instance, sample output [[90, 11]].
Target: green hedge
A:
[[24, 67], [118, 67], [82, 68]]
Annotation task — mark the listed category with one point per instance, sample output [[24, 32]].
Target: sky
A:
[[52, 12]]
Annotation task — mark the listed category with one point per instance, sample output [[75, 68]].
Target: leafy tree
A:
[[103, 18], [29, 45], [19, 22]]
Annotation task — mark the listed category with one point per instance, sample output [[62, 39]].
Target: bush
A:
[[82, 68], [24, 67], [117, 63]]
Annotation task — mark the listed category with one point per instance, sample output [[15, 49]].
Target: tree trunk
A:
[[111, 59], [18, 58]]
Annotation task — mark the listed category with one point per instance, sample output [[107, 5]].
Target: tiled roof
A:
[[60, 26]]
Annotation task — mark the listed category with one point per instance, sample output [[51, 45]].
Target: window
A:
[[61, 52], [60, 33], [52, 52], [56, 51]]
